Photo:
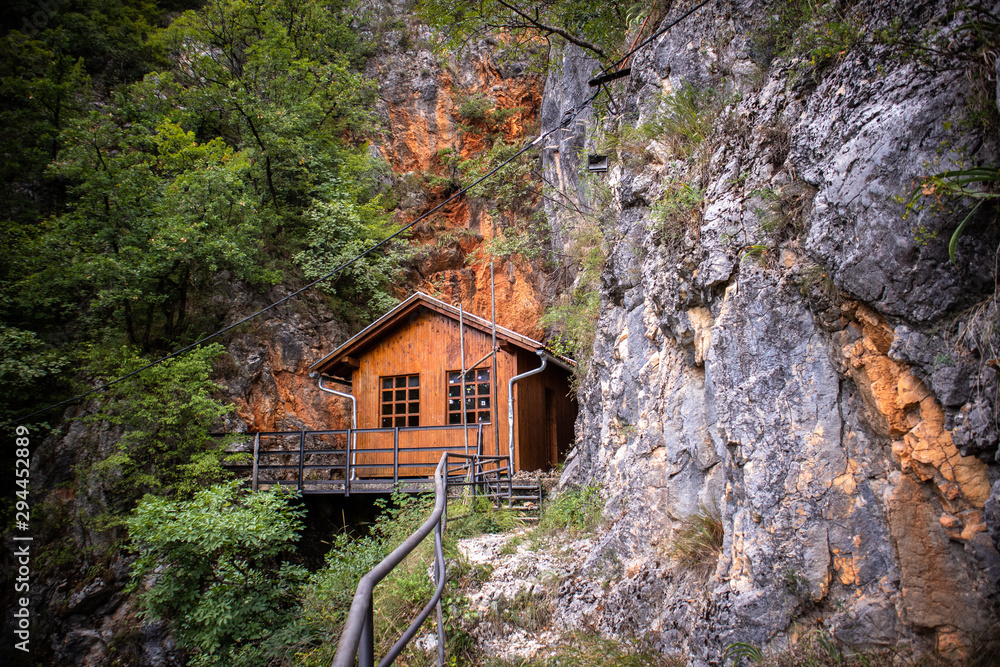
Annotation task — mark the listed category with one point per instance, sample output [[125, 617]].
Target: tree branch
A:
[[565, 34]]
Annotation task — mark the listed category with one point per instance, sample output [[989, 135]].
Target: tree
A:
[[279, 79]]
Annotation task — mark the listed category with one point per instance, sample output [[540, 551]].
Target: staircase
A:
[[526, 499], [523, 497]]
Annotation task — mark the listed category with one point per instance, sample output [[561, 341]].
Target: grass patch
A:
[[677, 211], [592, 651], [576, 511], [529, 609], [817, 649], [476, 516], [683, 120], [697, 544], [815, 35]]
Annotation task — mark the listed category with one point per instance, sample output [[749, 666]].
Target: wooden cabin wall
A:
[[427, 345], [545, 413]]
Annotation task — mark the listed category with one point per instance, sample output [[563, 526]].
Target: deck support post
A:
[[256, 460], [347, 464], [395, 457], [302, 456]]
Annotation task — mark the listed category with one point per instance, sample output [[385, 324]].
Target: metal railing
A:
[[357, 641], [345, 473]]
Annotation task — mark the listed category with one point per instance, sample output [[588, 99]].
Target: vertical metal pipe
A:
[[302, 456], [366, 648], [347, 465], [256, 460], [439, 572], [510, 407], [354, 413], [493, 304], [461, 344]]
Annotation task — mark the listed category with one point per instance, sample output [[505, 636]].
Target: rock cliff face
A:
[[822, 381], [427, 104]]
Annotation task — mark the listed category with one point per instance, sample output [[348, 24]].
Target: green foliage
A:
[[164, 415], [212, 567], [143, 166], [571, 321], [51, 63], [312, 637], [686, 117], [597, 27], [816, 35], [340, 229], [739, 650], [476, 516], [697, 542], [970, 46], [676, 212], [817, 648], [529, 609], [973, 183], [480, 112], [583, 650], [512, 197], [474, 108], [156, 212], [577, 511], [29, 370]]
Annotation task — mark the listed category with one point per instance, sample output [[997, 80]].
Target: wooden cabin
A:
[[405, 372]]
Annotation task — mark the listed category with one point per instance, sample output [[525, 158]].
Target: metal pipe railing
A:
[[510, 407], [354, 413], [357, 641]]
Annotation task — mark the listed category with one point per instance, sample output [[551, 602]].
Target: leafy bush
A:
[[211, 566], [28, 370], [326, 597], [164, 414]]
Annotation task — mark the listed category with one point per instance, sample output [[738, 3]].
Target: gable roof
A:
[[400, 313]]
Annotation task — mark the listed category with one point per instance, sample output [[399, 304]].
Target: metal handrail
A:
[[357, 639]]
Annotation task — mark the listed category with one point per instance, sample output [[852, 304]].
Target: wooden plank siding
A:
[[426, 344]]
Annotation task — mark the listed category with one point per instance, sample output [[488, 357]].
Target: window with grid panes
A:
[[478, 397], [401, 401]]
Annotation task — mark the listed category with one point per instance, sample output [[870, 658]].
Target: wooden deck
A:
[[367, 460]]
